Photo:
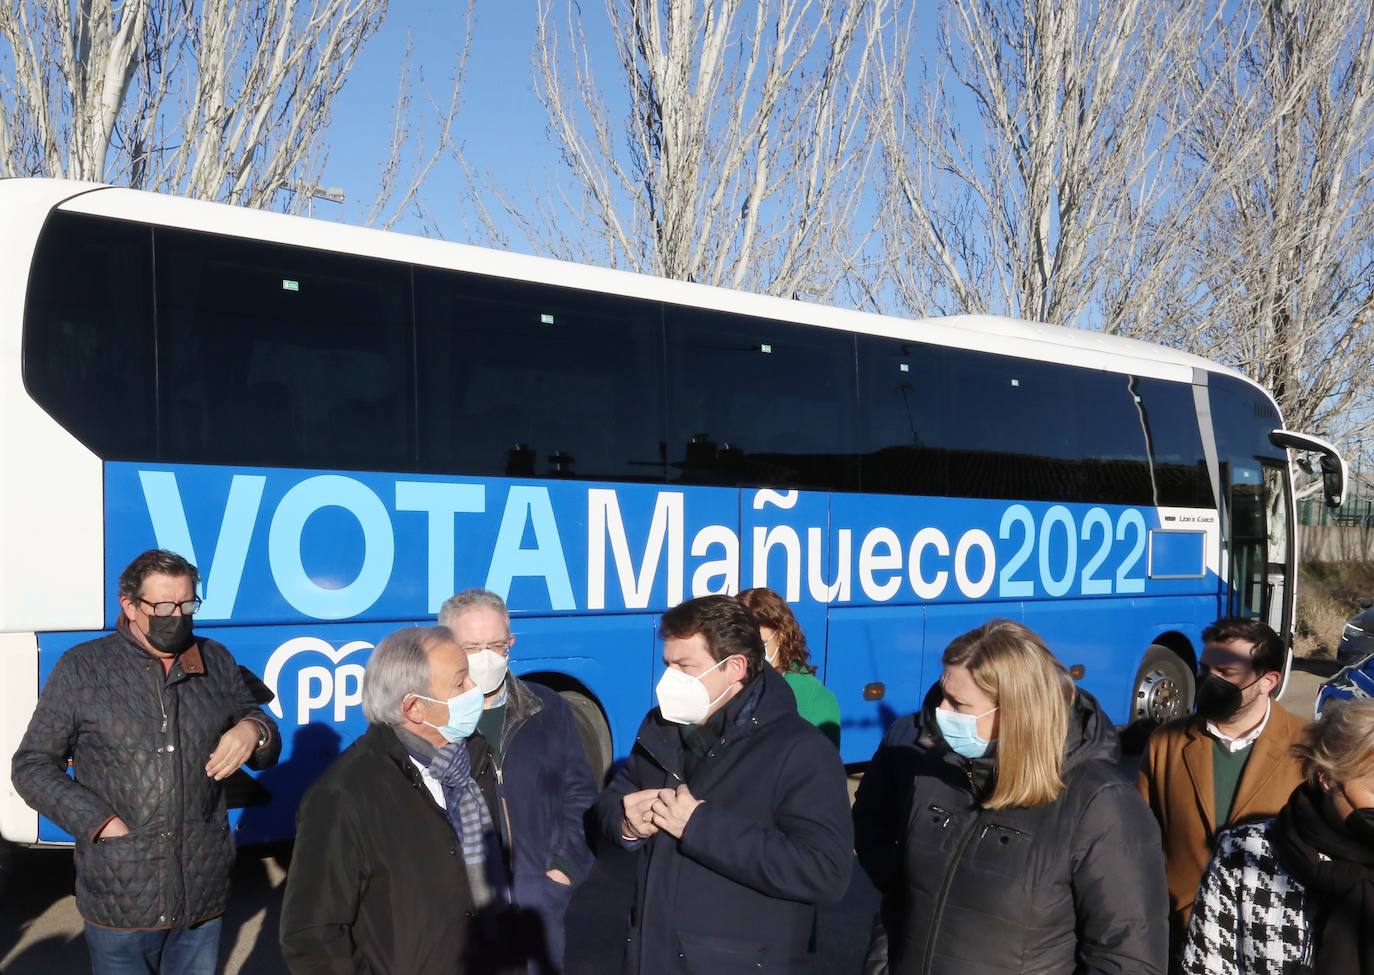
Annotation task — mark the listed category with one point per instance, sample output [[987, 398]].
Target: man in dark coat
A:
[[392, 860], [736, 806], [544, 785], [154, 719]]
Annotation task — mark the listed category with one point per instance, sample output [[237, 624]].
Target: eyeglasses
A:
[[188, 608], [496, 646]]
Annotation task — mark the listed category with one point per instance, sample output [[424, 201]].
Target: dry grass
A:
[[1329, 593]]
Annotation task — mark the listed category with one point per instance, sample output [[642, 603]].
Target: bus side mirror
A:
[[1333, 481], [1334, 477]]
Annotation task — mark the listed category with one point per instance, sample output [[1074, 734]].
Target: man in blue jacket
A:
[[544, 784], [736, 805]]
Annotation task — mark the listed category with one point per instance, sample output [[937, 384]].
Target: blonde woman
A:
[[999, 831], [784, 649], [1295, 894]]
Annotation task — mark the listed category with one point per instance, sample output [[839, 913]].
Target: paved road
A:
[[40, 929]]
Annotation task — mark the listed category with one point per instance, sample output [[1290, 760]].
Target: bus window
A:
[[528, 380], [1179, 472], [282, 356], [1111, 432], [88, 333], [759, 402], [1018, 428], [903, 417], [945, 421]]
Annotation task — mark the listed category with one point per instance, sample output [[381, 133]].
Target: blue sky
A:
[[500, 124]]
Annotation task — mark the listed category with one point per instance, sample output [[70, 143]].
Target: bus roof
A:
[[990, 333]]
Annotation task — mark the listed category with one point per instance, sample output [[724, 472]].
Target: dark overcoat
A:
[[544, 792], [377, 883], [771, 840]]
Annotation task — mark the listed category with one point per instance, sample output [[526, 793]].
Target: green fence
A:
[[1357, 512]]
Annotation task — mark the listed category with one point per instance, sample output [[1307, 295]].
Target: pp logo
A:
[[318, 688]]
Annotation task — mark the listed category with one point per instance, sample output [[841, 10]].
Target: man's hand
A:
[[559, 877], [234, 747], [638, 822], [671, 810], [115, 827]]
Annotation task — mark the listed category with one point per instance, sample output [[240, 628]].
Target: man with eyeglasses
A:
[[544, 782], [153, 720]]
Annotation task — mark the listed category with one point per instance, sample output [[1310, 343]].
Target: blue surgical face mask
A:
[[961, 732], [463, 711]]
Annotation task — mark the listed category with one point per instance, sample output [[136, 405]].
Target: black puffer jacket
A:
[[1075, 886], [139, 743]]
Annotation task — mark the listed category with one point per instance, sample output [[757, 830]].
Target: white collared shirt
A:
[[1234, 745], [431, 783]]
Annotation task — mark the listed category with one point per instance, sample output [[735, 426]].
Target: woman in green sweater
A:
[[785, 646]]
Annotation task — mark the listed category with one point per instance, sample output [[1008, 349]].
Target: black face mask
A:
[[169, 634], [1218, 699]]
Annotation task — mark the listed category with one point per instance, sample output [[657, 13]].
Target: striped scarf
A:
[[467, 813]]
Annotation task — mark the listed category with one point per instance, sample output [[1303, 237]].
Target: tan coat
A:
[[1175, 779]]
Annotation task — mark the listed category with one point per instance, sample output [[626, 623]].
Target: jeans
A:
[[178, 951]]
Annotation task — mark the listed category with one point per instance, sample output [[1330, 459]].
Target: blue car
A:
[[1358, 638], [1356, 679]]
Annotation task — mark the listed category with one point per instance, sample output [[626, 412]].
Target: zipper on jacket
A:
[[505, 811], [501, 786], [506, 739], [657, 761], [161, 702], [945, 884]]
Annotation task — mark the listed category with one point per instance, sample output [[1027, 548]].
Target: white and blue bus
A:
[[341, 427]]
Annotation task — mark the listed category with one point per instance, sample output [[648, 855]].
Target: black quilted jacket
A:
[[139, 744], [1073, 886]]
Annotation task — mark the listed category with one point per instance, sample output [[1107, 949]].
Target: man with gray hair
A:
[[393, 843], [544, 783]]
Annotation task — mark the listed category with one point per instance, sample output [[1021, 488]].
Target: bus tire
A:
[[592, 729], [1163, 688]]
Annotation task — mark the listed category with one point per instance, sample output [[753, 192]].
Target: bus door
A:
[[1259, 543], [1278, 588]]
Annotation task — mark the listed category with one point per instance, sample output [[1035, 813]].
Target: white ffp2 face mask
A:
[[684, 699], [488, 669]]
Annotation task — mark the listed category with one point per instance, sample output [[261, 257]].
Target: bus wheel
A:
[[592, 729], [1163, 688]]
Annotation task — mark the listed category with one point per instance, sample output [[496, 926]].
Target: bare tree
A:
[[1284, 247], [740, 155], [1030, 173], [413, 154], [218, 99]]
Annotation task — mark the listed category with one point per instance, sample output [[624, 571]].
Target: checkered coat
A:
[[1251, 916]]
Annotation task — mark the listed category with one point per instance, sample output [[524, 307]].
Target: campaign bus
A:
[[341, 427]]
